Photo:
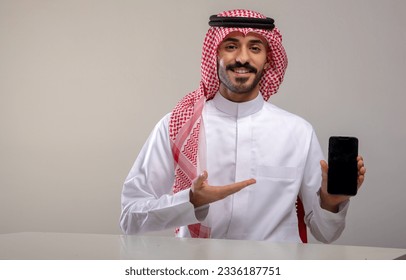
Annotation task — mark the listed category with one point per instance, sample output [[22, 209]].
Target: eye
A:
[[230, 47], [255, 49]]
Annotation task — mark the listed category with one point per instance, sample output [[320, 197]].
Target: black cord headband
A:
[[259, 23]]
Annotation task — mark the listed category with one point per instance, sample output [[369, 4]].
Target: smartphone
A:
[[342, 165]]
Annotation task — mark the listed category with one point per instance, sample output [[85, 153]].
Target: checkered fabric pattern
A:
[[184, 125]]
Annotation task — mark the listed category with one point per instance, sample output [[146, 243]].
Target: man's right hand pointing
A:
[[202, 193]]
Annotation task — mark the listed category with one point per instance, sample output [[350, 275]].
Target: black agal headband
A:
[[259, 23]]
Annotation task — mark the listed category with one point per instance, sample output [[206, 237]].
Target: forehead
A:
[[241, 37]]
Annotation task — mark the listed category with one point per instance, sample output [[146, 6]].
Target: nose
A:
[[242, 55]]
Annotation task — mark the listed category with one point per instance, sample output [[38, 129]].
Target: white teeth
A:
[[241, 71]]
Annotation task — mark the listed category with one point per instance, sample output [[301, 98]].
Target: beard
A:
[[241, 84]]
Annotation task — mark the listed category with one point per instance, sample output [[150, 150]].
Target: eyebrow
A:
[[253, 41]]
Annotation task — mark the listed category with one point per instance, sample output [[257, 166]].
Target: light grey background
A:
[[82, 83]]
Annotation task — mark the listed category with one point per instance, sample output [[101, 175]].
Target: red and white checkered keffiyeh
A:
[[184, 125]]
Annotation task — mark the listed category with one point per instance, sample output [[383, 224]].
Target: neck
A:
[[238, 96]]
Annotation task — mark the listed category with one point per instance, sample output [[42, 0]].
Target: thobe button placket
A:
[[242, 172]]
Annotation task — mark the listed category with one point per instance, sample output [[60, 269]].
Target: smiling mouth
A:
[[242, 70]]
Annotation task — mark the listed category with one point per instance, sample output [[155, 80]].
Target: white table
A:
[[72, 246]]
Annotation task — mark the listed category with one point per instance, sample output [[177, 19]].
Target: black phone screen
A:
[[342, 162]]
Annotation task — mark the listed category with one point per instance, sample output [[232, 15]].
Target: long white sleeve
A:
[[147, 200], [325, 226]]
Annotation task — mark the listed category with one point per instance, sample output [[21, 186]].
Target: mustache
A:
[[240, 65]]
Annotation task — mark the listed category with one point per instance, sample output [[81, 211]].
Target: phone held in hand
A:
[[342, 165]]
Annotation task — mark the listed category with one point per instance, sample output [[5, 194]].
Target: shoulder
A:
[[287, 118], [160, 132], [163, 123], [166, 118]]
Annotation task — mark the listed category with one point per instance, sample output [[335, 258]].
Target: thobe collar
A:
[[238, 110]]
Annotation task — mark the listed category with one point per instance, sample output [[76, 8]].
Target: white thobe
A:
[[253, 139]]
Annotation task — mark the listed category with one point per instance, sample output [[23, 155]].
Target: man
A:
[[227, 164]]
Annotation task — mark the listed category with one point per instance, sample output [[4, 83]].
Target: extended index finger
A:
[[235, 187]]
